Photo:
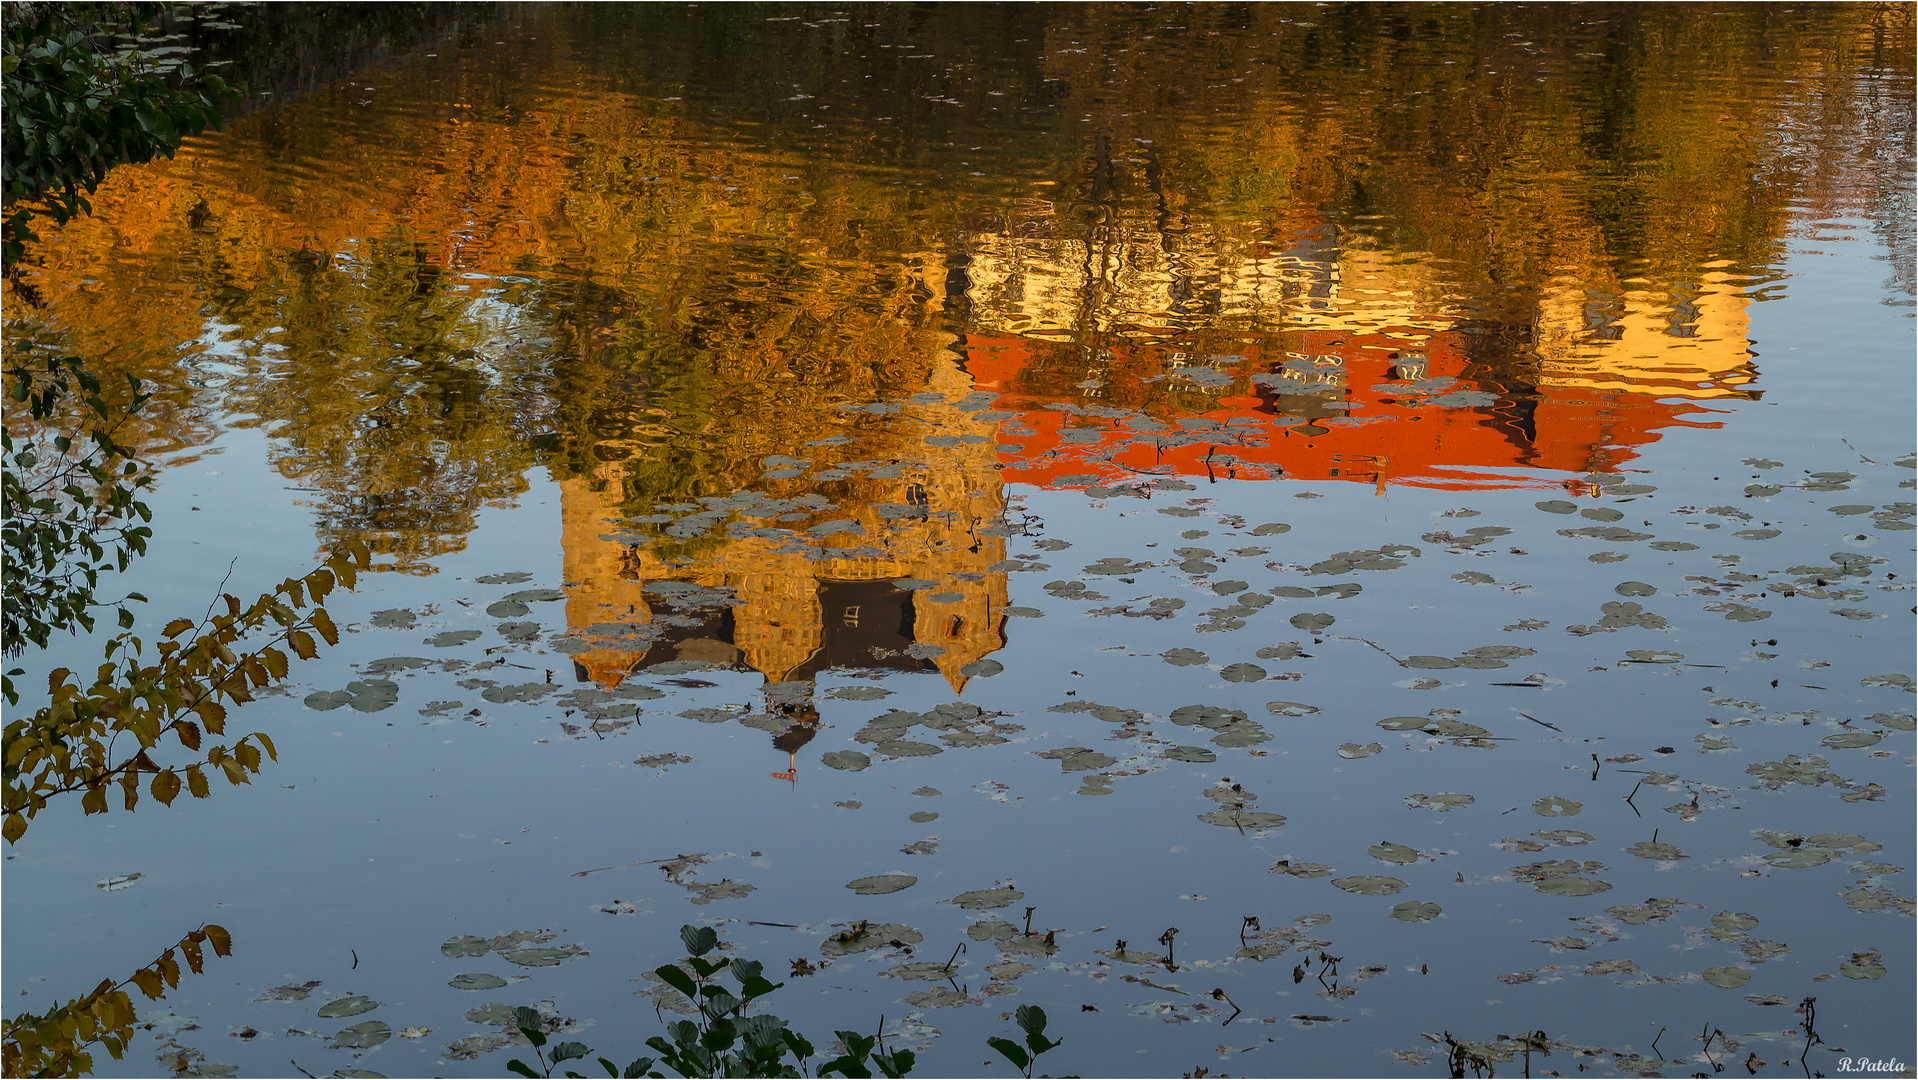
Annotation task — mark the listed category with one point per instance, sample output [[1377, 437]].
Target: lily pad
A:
[[1416, 911], [1078, 758], [465, 945], [1799, 858], [1730, 978], [1301, 869], [858, 693], [450, 638], [1406, 723], [1850, 740], [363, 1036], [540, 957], [723, 889], [1634, 588], [1434, 663], [984, 669], [864, 936], [492, 1013], [1646, 849], [1290, 708], [983, 899], [1184, 657], [1242, 673], [1206, 716], [520, 631], [845, 760], [1394, 853], [476, 981], [474, 1046], [398, 617], [1731, 924], [370, 695], [530, 691], [1370, 885], [1557, 806], [927, 970], [1557, 506], [1242, 733], [881, 884], [939, 997], [1653, 910], [1864, 965], [506, 609], [290, 992], [1313, 620], [1353, 751], [1441, 802], [1243, 819], [1272, 528], [534, 596], [906, 748], [1570, 886], [513, 578], [1198, 754], [348, 1006]]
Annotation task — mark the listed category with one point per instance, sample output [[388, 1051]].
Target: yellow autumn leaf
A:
[[324, 624], [148, 981], [213, 714], [302, 643]]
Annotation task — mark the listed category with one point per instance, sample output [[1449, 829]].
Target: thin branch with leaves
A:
[[69, 745]]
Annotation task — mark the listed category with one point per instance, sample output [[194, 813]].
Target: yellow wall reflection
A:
[[806, 602]]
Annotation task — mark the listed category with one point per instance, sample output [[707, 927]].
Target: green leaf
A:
[[699, 940], [1012, 1051], [676, 977]]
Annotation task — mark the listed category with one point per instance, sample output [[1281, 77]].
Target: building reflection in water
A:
[[901, 581], [1351, 388]]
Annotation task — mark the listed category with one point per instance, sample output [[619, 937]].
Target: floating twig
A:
[[1536, 720]]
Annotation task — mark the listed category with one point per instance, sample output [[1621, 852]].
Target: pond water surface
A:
[[1224, 488]]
